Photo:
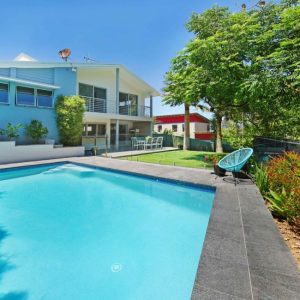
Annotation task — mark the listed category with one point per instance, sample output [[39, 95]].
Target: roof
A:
[[179, 118], [37, 64]]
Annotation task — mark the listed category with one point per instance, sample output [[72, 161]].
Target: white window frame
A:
[[35, 95], [8, 93], [37, 98]]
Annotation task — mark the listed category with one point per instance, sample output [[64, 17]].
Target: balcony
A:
[[108, 106], [135, 110]]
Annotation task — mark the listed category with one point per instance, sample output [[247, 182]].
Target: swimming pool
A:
[[74, 232]]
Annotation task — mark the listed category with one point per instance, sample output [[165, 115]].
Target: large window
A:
[[94, 130], [44, 98], [34, 97], [128, 104], [25, 96], [174, 128], [4, 93], [95, 97]]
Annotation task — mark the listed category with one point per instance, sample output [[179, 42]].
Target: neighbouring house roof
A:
[[171, 119], [24, 57], [22, 62]]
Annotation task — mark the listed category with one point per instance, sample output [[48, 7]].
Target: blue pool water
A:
[[70, 232]]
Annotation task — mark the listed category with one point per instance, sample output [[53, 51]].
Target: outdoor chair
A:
[[137, 143], [148, 143], [234, 161], [154, 142], [159, 142]]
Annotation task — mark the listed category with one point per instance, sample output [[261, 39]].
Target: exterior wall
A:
[[62, 77], [194, 127], [11, 153], [106, 78]]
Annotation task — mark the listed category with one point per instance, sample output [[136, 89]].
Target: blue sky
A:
[[142, 35]]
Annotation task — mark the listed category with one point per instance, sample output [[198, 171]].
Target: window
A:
[[183, 127], [4, 93], [101, 130], [128, 104], [91, 130], [25, 96], [94, 130], [159, 128], [34, 97], [174, 128], [44, 98], [95, 97]]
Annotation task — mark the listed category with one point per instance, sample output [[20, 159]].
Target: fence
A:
[[177, 141], [265, 147]]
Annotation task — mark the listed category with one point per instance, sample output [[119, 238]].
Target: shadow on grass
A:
[[6, 266]]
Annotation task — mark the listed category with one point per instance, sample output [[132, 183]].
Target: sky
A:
[[142, 35]]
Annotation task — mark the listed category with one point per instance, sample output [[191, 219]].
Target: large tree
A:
[[218, 53], [181, 89]]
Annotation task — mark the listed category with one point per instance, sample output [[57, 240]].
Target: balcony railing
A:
[[108, 106], [135, 110]]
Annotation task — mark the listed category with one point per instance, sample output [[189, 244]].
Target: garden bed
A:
[[292, 238]]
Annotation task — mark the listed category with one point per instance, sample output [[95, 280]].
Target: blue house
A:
[[118, 103]]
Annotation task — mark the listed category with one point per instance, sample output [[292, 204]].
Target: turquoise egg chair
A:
[[234, 161]]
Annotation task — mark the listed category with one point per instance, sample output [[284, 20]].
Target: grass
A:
[[183, 158]]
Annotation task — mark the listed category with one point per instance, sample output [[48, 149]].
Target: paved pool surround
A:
[[244, 256]]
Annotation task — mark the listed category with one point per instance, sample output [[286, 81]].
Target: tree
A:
[[180, 89], [218, 55], [69, 116], [36, 131]]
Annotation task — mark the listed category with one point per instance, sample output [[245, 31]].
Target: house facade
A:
[[199, 125], [118, 103]]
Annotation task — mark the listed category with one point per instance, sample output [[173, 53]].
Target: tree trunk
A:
[[186, 139], [219, 147]]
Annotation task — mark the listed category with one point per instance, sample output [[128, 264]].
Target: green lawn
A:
[[183, 158]]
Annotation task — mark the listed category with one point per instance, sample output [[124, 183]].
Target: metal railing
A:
[[109, 106], [135, 110]]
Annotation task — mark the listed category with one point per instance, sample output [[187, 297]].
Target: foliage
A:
[[238, 135], [261, 179], [11, 131], [69, 116], [168, 131], [284, 181], [244, 66], [36, 131]]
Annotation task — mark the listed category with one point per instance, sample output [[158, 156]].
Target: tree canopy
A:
[[242, 65]]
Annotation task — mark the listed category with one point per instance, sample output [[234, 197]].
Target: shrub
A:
[[69, 111], [36, 131], [11, 131], [284, 181], [261, 179]]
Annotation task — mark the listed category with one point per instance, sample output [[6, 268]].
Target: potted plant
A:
[[11, 131], [36, 131], [218, 171]]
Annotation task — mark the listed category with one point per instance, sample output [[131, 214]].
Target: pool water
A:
[[74, 232]]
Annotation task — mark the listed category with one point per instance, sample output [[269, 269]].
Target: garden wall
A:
[[10, 153]]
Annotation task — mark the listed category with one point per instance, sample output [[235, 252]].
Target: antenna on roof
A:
[[64, 54], [88, 59]]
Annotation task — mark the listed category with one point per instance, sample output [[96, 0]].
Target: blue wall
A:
[[65, 78]]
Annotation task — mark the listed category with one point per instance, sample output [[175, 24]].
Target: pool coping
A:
[[244, 256]]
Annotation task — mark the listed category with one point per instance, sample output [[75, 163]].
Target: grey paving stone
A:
[[275, 257], [224, 276], [202, 293], [225, 230], [225, 249], [266, 279]]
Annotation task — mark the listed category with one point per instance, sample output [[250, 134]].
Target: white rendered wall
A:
[[10, 153]]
